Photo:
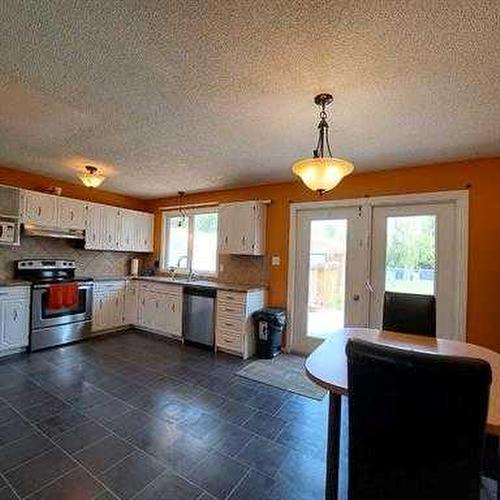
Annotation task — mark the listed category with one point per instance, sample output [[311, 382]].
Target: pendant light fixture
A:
[[322, 172], [91, 178]]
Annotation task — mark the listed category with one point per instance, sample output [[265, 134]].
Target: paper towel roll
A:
[[134, 267]]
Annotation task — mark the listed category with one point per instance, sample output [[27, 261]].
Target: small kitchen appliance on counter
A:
[[61, 305]]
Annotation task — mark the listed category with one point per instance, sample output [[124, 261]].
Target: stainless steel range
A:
[[61, 305]]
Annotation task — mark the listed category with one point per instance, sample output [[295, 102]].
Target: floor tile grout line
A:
[[236, 486], [8, 483], [145, 386], [67, 454], [53, 481]]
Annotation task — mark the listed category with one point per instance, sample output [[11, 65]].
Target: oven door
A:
[[43, 317]]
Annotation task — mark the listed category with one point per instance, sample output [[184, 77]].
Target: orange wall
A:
[[481, 176], [35, 182]]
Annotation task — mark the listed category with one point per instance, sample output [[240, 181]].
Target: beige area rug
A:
[[285, 372]]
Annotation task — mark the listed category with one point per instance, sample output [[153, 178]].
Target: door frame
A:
[[460, 200]]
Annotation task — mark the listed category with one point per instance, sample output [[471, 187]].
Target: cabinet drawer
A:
[[108, 286], [231, 297], [15, 292], [226, 341], [174, 290], [232, 309], [227, 323]]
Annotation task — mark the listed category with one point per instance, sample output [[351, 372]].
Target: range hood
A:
[[52, 232]]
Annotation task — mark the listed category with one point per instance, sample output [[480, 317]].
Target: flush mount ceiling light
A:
[[322, 173], [91, 178]]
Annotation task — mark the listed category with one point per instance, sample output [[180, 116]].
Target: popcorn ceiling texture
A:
[[195, 95], [91, 263]]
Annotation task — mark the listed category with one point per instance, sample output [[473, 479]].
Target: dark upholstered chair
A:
[[410, 313], [416, 424]]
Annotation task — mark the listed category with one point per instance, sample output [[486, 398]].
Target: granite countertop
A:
[[13, 282], [186, 282]]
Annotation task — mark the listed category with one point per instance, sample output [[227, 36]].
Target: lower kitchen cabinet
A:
[[14, 317], [160, 308], [234, 329], [109, 305]]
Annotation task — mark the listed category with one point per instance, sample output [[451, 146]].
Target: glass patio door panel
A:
[[412, 252], [329, 291]]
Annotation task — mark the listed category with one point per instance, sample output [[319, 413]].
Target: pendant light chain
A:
[[319, 152]]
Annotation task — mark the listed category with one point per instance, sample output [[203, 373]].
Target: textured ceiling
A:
[[195, 95]]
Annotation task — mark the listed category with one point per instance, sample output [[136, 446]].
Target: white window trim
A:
[[167, 214]]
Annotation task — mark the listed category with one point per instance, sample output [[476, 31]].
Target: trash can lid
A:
[[274, 315]]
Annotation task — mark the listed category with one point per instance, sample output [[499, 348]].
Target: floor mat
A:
[[285, 372]]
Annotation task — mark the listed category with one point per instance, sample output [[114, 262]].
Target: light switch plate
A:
[[275, 261]]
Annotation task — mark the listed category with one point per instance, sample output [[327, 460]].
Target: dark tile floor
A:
[[131, 416]]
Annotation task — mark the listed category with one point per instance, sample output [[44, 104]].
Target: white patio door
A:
[[414, 251], [344, 258], [330, 274]]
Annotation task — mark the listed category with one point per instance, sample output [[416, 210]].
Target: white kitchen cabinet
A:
[[111, 228], [242, 228], [14, 317], [40, 208], [109, 305], [234, 328], [93, 230], [131, 303], [72, 214], [160, 308]]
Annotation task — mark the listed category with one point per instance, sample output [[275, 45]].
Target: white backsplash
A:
[[92, 263]]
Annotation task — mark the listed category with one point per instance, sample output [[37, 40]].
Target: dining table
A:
[[327, 367]]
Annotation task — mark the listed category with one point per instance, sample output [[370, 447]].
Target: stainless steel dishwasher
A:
[[199, 315]]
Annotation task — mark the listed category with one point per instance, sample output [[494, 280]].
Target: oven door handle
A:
[[82, 286]]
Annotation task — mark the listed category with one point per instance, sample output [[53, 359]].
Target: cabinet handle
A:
[[15, 315], [156, 304], [226, 240], [173, 307], [39, 211], [72, 215]]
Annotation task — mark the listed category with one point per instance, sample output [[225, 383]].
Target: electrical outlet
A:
[[275, 261]]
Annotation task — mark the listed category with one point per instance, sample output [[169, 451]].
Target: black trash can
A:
[[269, 327]]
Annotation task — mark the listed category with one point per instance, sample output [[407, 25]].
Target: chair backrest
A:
[[416, 424], [410, 313]]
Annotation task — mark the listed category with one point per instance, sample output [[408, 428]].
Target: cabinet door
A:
[[147, 309], [131, 304], [225, 228], [14, 320], [93, 229], [161, 310], [117, 303], [111, 228], [72, 214], [174, 315], [40, 209], [127, 231], [98, 316], [144, 235], [244, 230]]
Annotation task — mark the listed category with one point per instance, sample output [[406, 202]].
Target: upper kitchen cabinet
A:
[[242, 228], [40, 209], [53, 211], [72, 214], [111, 228]]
